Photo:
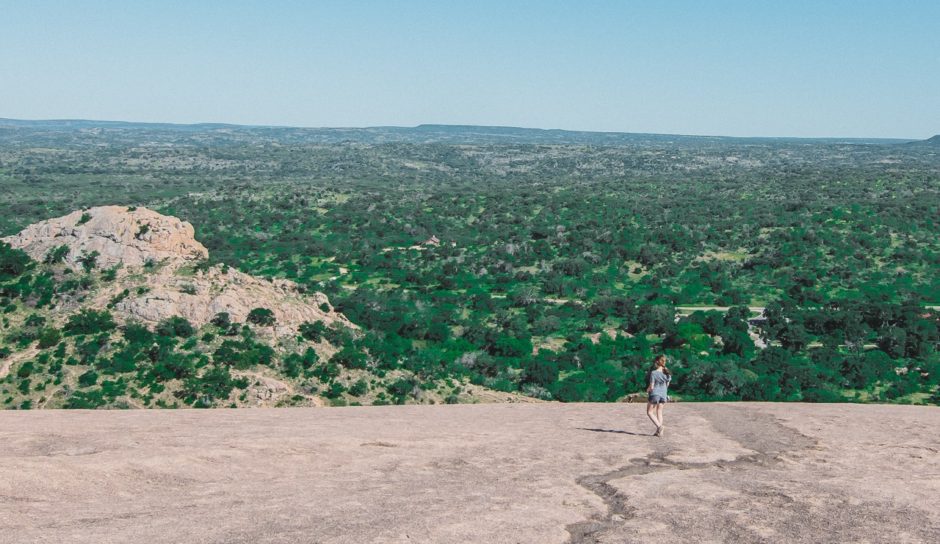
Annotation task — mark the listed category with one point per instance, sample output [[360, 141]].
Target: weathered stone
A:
[[500, 473], [132, 239], [119, 235]]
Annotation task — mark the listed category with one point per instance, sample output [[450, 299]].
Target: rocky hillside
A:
[[119, 236], [158, 262], [119, 306]]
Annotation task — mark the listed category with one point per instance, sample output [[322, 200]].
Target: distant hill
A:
[[928, 145], [219, 134]]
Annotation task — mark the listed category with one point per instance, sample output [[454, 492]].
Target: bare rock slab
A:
[[745, 472], [117, 234]]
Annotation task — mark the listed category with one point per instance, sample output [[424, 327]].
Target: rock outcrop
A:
[[199, 296], [120, 236], [157, 274]]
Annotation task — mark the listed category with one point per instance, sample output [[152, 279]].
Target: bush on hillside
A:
[[89, 322], [13, 262], [175, 326], [261, 316]]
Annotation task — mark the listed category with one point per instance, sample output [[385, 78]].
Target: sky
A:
[[738, 68]]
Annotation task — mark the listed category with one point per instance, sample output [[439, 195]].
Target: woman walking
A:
[[657, 391]]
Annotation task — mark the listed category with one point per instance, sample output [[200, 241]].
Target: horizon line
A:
[[452, 125]]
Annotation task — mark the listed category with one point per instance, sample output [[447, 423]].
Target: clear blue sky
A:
[[749, 68]]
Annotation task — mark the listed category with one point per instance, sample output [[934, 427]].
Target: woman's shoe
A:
[[659, 431]]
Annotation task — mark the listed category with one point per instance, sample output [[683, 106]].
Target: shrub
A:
[[243, 354], [222, 320], [85, 399], [118, 298], [89, 322], [13, 262], [261, 316], [312, 331], [137, 334], [335, 390], [359, 388], [35, 320], [215, 383], [111, 389], [821, 394], [57, 254], [401, 388], [121, 361], [88, 379], [349, 357], [291, 365], [326, 372], [49, 337], [175, 326], [296, 362], [25, 370], [173, 366], [337, 335], [88, 260]]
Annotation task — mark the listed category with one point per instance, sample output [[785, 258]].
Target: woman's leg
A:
[[659, 415], [651, 412]]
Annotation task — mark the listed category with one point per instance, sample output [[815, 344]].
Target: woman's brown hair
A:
[[656, 361]]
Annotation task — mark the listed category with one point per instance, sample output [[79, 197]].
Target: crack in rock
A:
[[731, 422]]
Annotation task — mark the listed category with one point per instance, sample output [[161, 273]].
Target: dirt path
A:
[[472, 473]]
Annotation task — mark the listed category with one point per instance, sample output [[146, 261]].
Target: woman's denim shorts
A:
[[656, 399]]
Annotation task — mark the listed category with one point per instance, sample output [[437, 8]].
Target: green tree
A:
[[89, 321], [175, 326], [13, 262], [261, 316]]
